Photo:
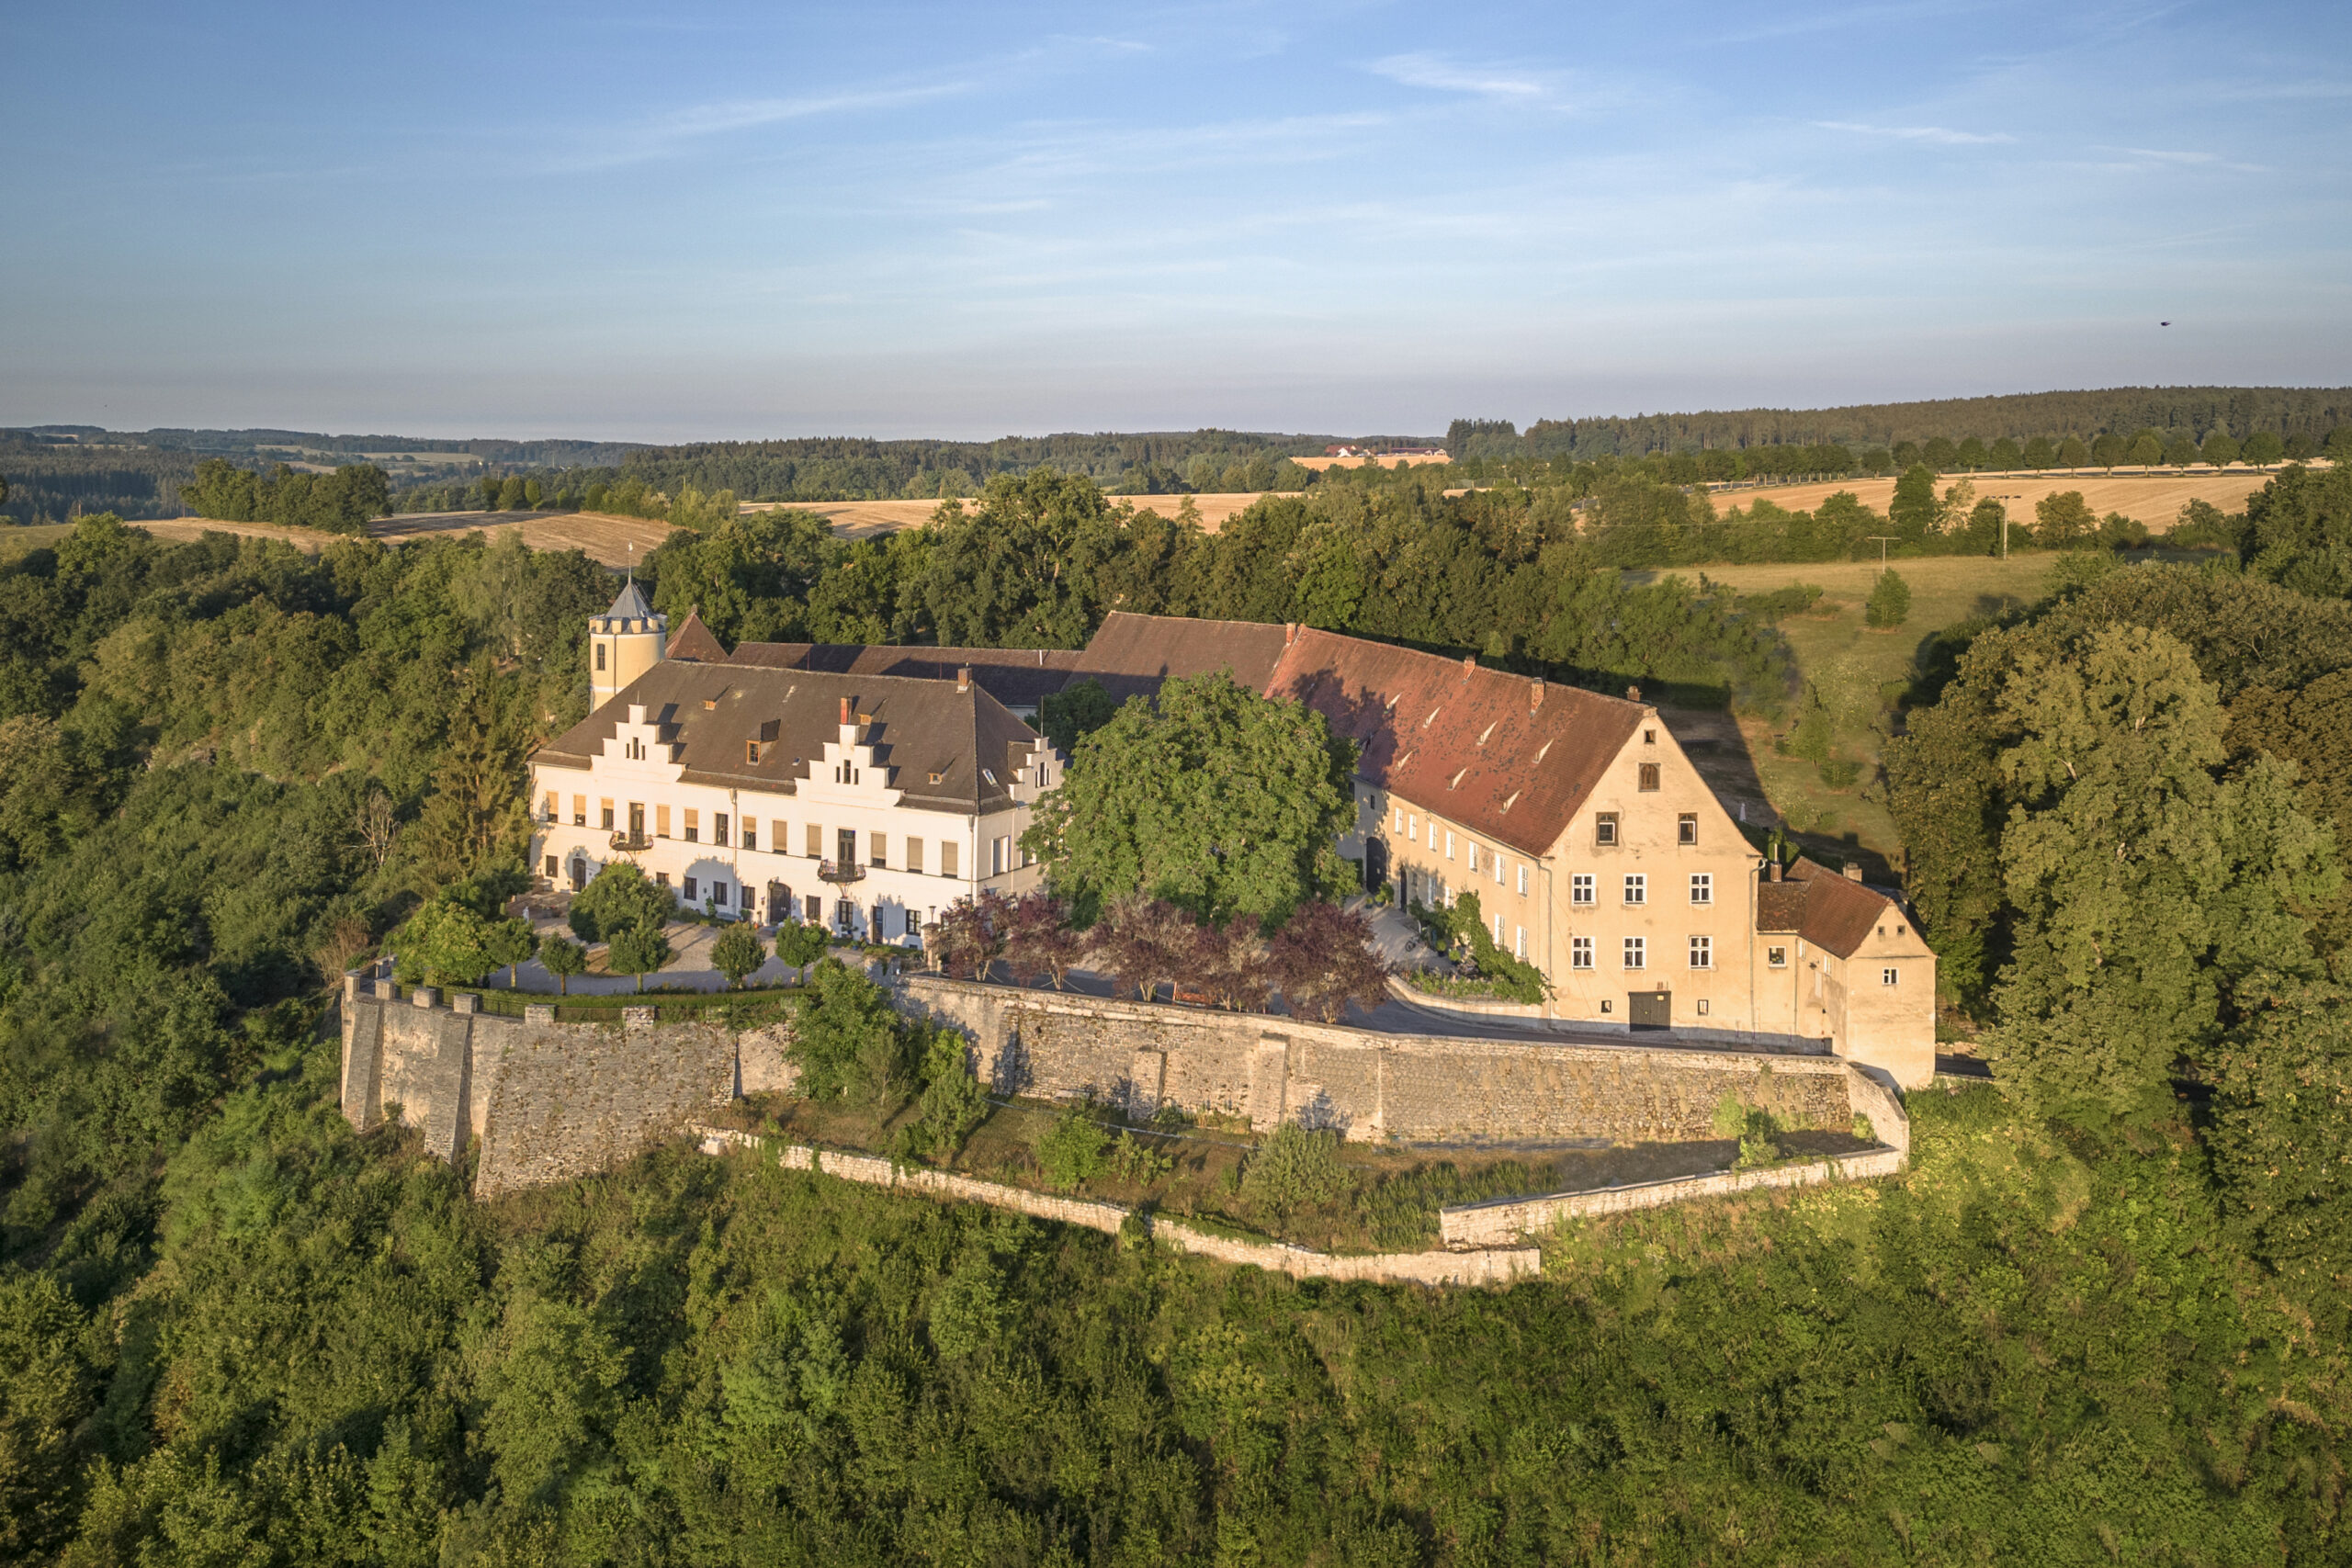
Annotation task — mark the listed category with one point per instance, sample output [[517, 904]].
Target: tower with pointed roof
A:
[[623, 644]]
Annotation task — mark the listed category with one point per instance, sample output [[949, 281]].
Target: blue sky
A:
[[740, 220]]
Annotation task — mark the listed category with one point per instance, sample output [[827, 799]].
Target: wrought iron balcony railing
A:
[[840, 871], [627, 842]]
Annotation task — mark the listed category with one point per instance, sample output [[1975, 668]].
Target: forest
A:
[[2103, 1317]]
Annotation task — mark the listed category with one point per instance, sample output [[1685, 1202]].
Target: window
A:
[[1449, 844], [1635, 950], [997, 857], [1637, 889], [813, 908], [551, 870], [1649, 737], [690, 889], [608, 816], [1579, 952], [1499, 872], [637, 820], [914, 854], [1702, 887], [580, 811], [751, 832], [1889, 976], [1686, 827], [600, 658], [718, 827], [1522, 879], [1702, 953], [1474, 865], [949, 851], [551, 806], [718, 894], [1499, 930], [662, 879], [816, 842], [1519, 943], [1648, 777], [1581, 888], [1777, 957], [694, 826], [661, 821], [878, 845], [1398, 825], [1412, 829], [1702, 1007], [1604, 828]]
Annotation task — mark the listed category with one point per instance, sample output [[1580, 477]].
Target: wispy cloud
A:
[[743, 114], [1447, 76], [1941, 136], [2185, 160]]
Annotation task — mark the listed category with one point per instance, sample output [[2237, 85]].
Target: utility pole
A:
[[1884, 540]]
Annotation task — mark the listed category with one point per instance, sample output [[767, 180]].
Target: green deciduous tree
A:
[[2220, 450], [563, 960], [1069, 716], [738, 951], [2297, 531], [446, 941], [2147, 889], [638, 951], [1913, 512], [848, 1043], [2282, 1128], [1219, 800], [510, 942], [2064, 521], [620, 898]]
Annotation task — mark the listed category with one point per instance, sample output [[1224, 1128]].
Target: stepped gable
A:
[[1831, 911], [1504, 755], [694, 641], [1131, 655], [710, 713]]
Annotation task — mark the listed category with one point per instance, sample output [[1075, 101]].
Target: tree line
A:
[[340, 502]]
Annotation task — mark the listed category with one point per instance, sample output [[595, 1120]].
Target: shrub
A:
[[801, 945], [954, 1103], [1890, 602], [737, 952], [1757, 1132], [1137, 1163], [1294, 1168], [848, 1043], [1069, 1151]]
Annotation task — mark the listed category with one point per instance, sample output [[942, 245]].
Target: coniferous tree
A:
[[476, 814]]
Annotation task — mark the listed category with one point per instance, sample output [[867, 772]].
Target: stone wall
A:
[[1507, 1219], [1453, 1268], [547, 1101], [1369, 1085]]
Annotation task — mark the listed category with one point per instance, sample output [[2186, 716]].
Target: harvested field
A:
[[2154, 499], [602, 536], [863, 519], [1319, 464]]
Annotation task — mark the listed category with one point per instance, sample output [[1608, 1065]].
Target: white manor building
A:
[[866, 802]]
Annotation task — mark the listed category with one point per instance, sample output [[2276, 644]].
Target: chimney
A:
[[845, 710], [1534, 694], [1633, 694], [963, 680], [1854, 871], [1290, 632], [1469, 665], [1776, 868]]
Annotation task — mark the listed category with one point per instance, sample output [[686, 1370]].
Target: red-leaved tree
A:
[[1143, 942], [1323, 960], [1037, 941], [1233, 964], [970, 936]]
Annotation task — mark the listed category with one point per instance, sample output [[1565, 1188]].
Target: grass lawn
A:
[[1859, 673], [15, 542]]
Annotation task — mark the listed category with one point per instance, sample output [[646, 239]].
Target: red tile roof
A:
[[1502, 754], [1131, 655], [694, 640], [1829, 910]]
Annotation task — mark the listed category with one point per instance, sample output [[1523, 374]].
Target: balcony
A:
[[840, 871], [628, 843]]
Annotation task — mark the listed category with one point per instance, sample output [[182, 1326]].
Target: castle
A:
[[869, 786]]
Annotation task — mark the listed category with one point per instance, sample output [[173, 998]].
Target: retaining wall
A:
[[548, 1101], [1471, 1268], [1506, 1220], [1370, 1085]]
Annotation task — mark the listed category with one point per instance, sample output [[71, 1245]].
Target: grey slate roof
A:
[[919, 728], [1018, 677], [630, 606]]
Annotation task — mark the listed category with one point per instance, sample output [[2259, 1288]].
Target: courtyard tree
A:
[[637, 952], [563, 959], [510, 942], [620, 898], [1218, 800], [737, 952], [1038, 941], [800, 945], [1323, 959], [444, 941]]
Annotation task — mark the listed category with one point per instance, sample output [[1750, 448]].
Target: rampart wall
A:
[[1369, 1085], [548, 1101]]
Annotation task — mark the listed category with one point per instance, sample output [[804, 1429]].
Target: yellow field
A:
[[1319, 464], [602, 536], [863, 519], [2154, 499]]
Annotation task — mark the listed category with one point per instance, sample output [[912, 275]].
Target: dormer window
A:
[[988, 775], [752, 752]]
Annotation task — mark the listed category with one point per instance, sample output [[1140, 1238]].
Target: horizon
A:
[[723, 224]]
